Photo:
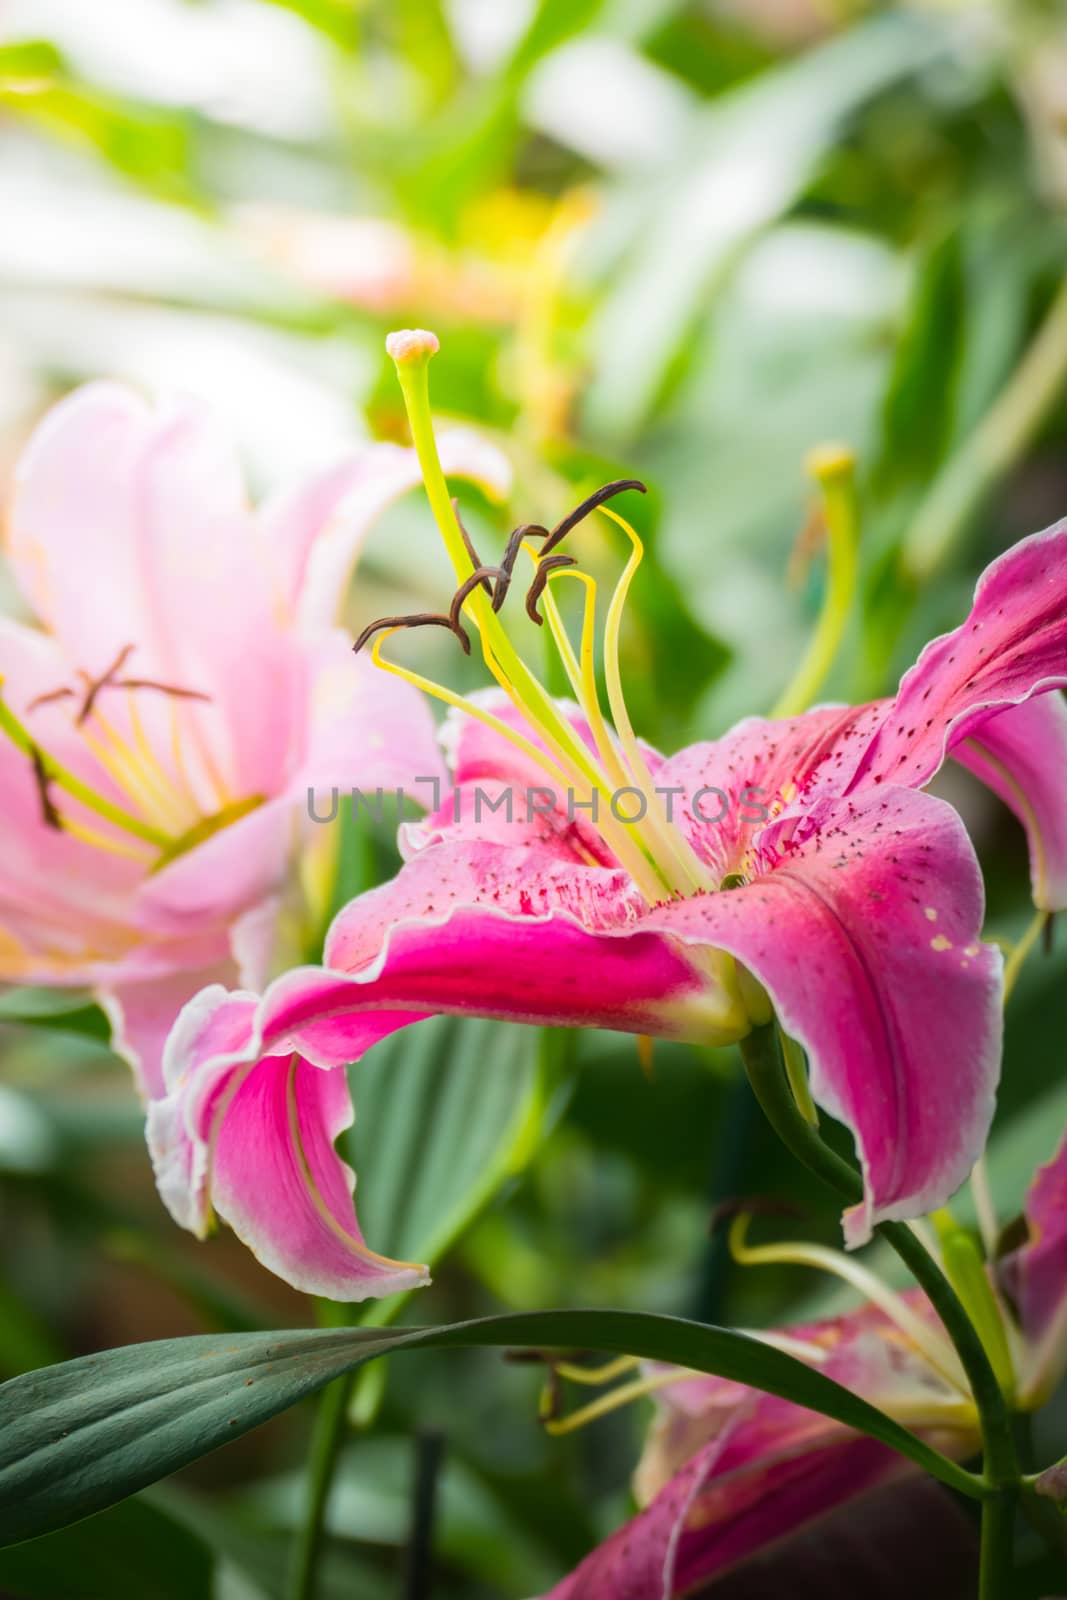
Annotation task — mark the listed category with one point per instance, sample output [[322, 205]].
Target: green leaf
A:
[[28, 61], [133, 1548], [445, 161], [747, 160], [337, 19], [70, 1010], [444, 1113], [919, 405], [146, 144], [83, 1435]]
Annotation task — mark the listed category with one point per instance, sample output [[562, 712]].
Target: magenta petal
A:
[[728, 1471], [1036, 1274], [770, 1470], [724, 790], [733, 1520], [1021, 754], [1012, 646], [637, 1562], [519, 934], [250, 1136], [863, 923]]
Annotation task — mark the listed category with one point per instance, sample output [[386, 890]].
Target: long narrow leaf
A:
[[80, 1436]]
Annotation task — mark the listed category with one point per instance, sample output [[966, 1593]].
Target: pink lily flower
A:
[[185, 689], [790, 867], [728, 1471]]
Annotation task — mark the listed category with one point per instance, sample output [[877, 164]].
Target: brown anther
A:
[[546, 566], [751, 1206], [50, 698], [589, 504], [481, 576], [419, 619], [172, 689], [93, 686], [528, 530], [49, 815], [468, 545], [110, 680]]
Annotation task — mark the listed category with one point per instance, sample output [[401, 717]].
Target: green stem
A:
[[763, 1063], [1000, 1462], [418, 1565], [326, 1441], [998, 1530], [796, 1071], [993, 448]]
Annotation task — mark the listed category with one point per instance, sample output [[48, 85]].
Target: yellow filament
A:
[[149, 756], [468, 707], [55, 772], [672, 847], [692, 874], [800, 1348], [177, 753], [631, 858], [595, 1376], [185, 714], [934, 1346], [624, 1395], [132, 775], [984, 1209], [582, 673], [504, 661], [100, 841]]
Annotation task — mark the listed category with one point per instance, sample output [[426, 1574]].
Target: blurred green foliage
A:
[[687, 239]]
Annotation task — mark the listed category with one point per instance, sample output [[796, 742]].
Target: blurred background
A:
[[687, 240]]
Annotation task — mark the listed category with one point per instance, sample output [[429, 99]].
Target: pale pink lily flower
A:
[[185, 687], [852, 905], [728, 1471]]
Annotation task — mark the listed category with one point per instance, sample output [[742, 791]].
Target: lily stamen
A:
[[479, 578], [47, 768], [516, 539], [110, 680], [417, 619], [49, 813], [476, 560], [624, 1395], [546, 566], [607, 491], [935, 1346]]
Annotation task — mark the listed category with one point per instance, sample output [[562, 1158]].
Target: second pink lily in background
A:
[[184, 690], [728, 1471]]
